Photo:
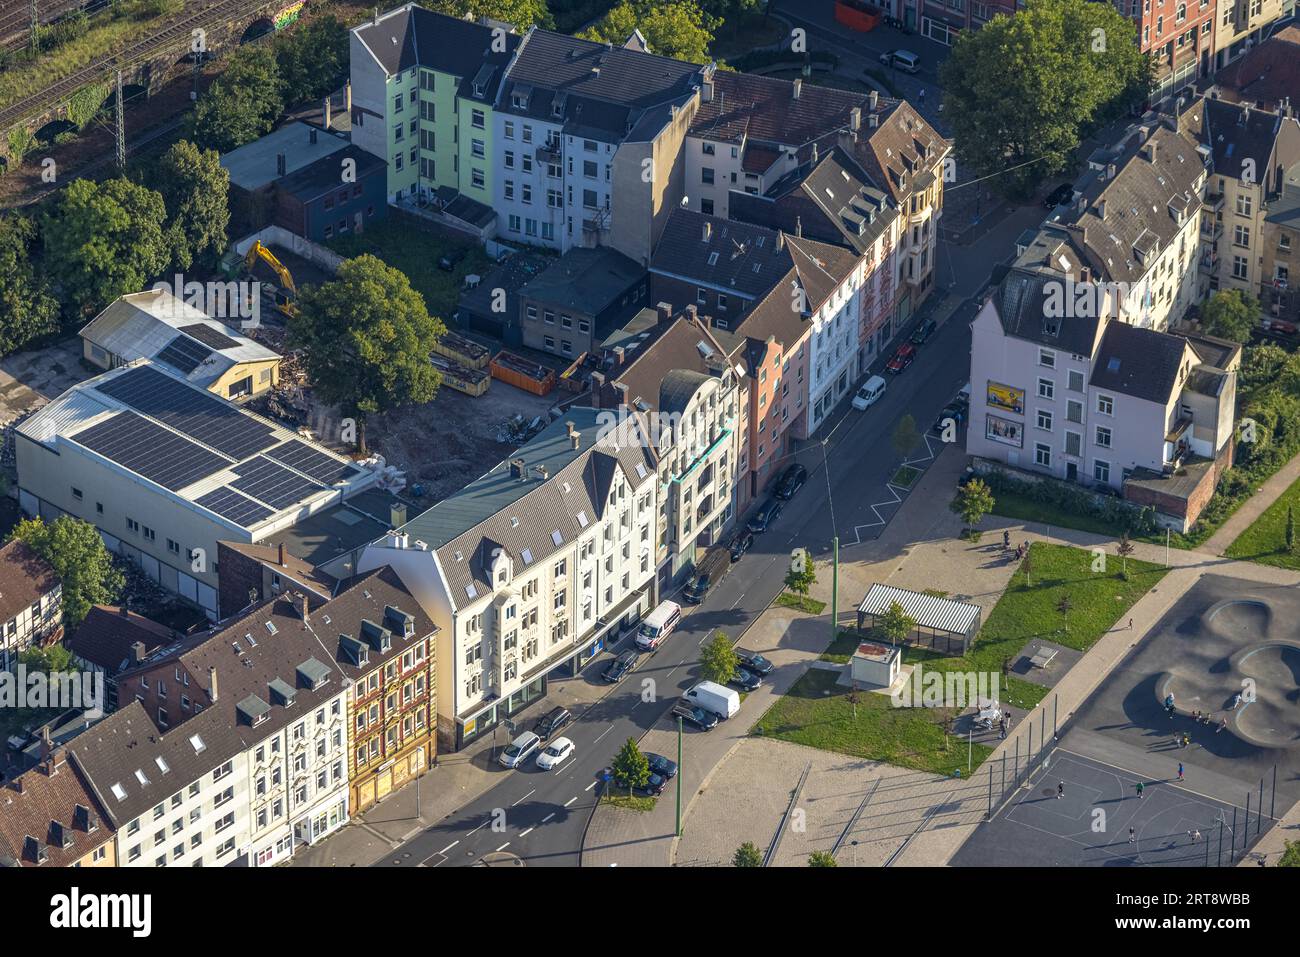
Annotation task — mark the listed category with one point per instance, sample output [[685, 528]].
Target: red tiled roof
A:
[[24, 578], [34, 801]]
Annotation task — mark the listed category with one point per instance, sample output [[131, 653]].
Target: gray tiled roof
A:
[[1020, 302], [649, 371], [585, 280], [746, 106], [1139, 362]]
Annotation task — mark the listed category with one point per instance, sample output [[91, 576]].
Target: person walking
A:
[[1186, 739], [1180, 770], [1060, 790], [1195, 835], [1222, 724], [1132, 835], [1236, 700], [1006, 540], [1002, 728], [1140, 788]]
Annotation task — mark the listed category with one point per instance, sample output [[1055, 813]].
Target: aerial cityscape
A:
[[649, 433]]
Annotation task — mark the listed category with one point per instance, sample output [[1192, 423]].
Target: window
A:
[[1106, 405], [1103, 437], [476, 119], [1243, 204], [1075, 383], [1101, 471], [1043, 455], [1045, 420], [1241, 235], [1046, 389], [1240, 268], [1046, 357], [706, 175]]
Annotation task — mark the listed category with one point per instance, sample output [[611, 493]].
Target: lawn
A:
[[635, 802], [801, 602], [1265, 540], [416, 254], [817, 713], [905, 476], [1011, 505]]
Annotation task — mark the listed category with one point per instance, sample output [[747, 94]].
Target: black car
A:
[[704, 720], [551, 722], [653, 786], [741, 544], [1058, 196], [753, 661], [621, 666], [953, 410], [924, 331], [791, 481], [765, 516], [661, 766], [449, 259], [745, 680], [696, 589]]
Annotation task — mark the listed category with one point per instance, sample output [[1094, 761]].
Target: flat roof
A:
[[253, 165]]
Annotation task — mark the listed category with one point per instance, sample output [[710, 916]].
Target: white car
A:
[[870, 392], [518, 750], [554, 753]]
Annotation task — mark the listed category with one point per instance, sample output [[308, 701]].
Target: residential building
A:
[[1281, 236], [579, 299], [482, 308], [249, 574], [31, 602], [166, 470], [111, 639], [1178, 35], [1268, 76], [256, 167], [1096, 400], [49, 817], [531, 567], [334, 196], [686, 378], [942, 20], [1243, 24], [158, 325]]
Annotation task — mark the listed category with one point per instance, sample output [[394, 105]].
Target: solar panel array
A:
[[273, 484], [228, 503], [184, 353], [309, 461], [191, 411], [209, 336], [150, 450]]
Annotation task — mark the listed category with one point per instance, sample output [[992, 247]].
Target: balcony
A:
[[1213, 202], [1211, 229], [549, 152], [1208, 264]]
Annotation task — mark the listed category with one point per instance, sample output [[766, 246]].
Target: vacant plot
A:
[[1265, 540]]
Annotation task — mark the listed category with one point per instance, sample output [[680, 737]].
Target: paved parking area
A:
[[30, 379]]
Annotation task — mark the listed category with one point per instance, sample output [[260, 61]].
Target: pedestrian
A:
[[1236, 700], [1222, 724], [1196, 715], [1180, 770], [1002, 728], [1060, 790], [922, 96], [1195, 835], [1006, 540], [1130, 624], [1132, 835], [1140, 788], [1186, 739]]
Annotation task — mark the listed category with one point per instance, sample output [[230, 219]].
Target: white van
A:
[[904, 60], [711, 696], [658, 626], [871, 390]]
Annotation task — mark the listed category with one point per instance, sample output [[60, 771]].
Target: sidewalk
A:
[[1253, 507]]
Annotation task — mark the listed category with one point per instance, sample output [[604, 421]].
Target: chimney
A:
[[798, 88], [873, 100], [568, 428], [397, 514], [541, 472], [855, 118], [798, 227], [1150, 150], [873, 120], [665, 311], [311, 134], [325, 113], [212, 683], [518, 470], [137, 652], [347, 97], [692, 313], [1110, 170], [279, 164], [708, 231], [300, 605], [780, 241], [47, 745], [281, 555], [1101, 208], [575, 438]]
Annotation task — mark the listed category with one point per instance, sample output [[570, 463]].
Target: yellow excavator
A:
[[286, 292]]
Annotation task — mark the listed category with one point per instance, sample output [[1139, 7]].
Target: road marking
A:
[[449, 847], [479, 828], [548, 817], [526, 796], [501, 848], [605, 732], [571, 800], [738, 600], [587, 788], [526, 833]]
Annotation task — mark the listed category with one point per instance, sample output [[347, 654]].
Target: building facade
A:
[[31, 602]]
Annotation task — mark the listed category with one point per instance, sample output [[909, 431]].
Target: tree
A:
[[631, 768], [821, 859], [972, 502], [243, 104], [103, 240], [1063, 606], [1230, 314], [1124, 549], [1067, 65], [906, 437], [800, 580], [1261, 365], [1290, 855], [896, 624], [195, 189], [367, 337], [312, 59], [747, 855], [718, 660], [52, 659], [520, 14], [1290, 529], [673, 28], [27, 310], [82, 564]]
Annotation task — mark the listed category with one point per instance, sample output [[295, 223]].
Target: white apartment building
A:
[[530, 567], [834, 361]]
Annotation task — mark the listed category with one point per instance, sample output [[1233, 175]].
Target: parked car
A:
[[950, 411], [871, 390], [714, 697], [902, 358], [661, 766], [963, 396], [554, 754], [1058, 196], [519, 750], [696, 589], [448, 260], [653, 786], [551, 722], [924, 331], [791, 481], [745, 680], [905, 60], [658, 625], [767, 513], [753, 661], [702, 719], [741, 544], [621, 666]]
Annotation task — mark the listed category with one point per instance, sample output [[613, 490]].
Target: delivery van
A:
[[658, 625], [711, 696]]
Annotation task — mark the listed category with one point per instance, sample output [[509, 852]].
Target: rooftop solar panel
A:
[[192, 411], [273, 484], [309, 461], [184, 353], [209, 336], [147, 449], [228, 503]]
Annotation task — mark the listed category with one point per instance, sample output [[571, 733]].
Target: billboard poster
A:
[[1006, 397], [998, 429]]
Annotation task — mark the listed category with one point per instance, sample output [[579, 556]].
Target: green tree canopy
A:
[[906, 437], [1230, 314], [896, 624], [367, 337], [800, 580], [718, 660], [822, 859], [747, 855], [631, 767], [521, 14], [674, 28], [79, 559], [312, 58], [1023, 90], [27, 309], [103, 240], [52, 659], [972, 502], [243, 104], [1261, 365], [195, 189]]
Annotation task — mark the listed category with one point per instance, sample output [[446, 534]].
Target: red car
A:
[[902, 358]]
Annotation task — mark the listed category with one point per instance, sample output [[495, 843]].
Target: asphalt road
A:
[[541, 816]]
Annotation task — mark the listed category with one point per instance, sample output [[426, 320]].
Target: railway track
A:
[[177, 34], [16, 17]]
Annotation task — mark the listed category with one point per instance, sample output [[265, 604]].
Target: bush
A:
[[1072, 498]]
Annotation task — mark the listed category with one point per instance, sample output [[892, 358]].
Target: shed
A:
[[954, 623]]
